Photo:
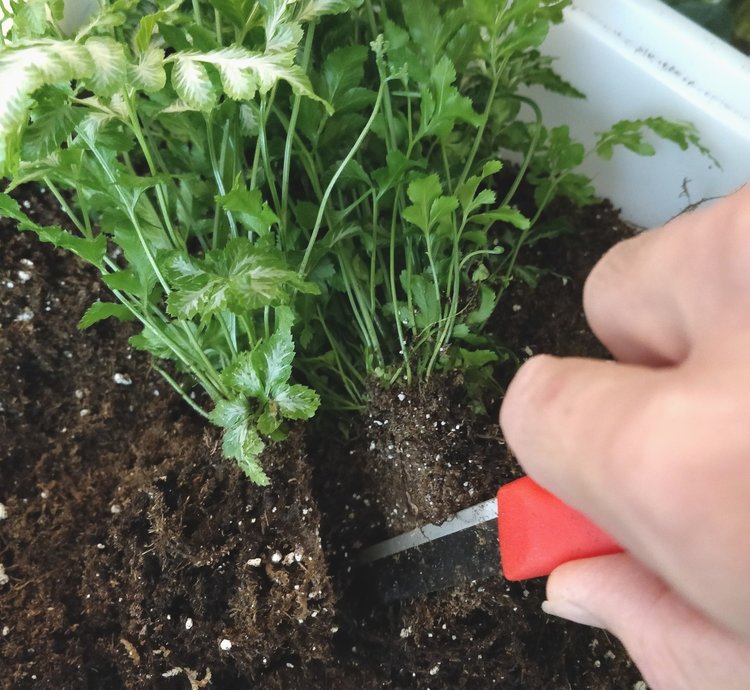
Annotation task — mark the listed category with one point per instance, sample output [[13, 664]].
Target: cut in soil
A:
[[137, 557]]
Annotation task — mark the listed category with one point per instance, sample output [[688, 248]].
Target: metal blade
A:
[[461, 549]]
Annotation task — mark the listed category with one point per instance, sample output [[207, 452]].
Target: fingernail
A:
[[572, 612]]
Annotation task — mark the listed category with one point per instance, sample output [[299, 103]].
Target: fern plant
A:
[[155, 120]]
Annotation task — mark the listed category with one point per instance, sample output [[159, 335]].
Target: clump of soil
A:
[[136, 557], [426, 457]]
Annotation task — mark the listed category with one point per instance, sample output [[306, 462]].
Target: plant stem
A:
[[291, 130], [180, 391], [337, 175], [480, 132], [218, 178], [528, 157], [161, 197], [392, 279]]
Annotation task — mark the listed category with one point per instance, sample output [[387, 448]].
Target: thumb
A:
[[674, 646]]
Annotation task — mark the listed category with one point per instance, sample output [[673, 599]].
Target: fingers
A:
[[656, 457], [673, 645], [631, 304], [652, 296], [568, 421]]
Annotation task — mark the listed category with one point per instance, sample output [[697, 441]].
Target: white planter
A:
[[638, 58]]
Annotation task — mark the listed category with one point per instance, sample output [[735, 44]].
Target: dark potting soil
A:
[[137, 557]]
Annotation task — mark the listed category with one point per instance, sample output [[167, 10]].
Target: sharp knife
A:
[[524, 532]]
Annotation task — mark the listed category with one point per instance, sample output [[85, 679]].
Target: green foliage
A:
[[295, 195]]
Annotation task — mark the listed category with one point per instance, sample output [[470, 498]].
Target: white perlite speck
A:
[[26, 315], [225, 645], [122, 379], [434, 670], [6, 631], [188, 624], [254, 562], [4, 579], [115, 509], [3, 512], [276, 558], [24, 276]]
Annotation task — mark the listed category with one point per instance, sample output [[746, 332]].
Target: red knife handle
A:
[[538, 532]]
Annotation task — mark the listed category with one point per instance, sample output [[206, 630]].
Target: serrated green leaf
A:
[[249, 209], [126, 280], [230, 413], [192, 83], [297, 402], [241, 277], [243, 444], [505, 214], [25, 69], [482, 313], [480, 274], [467, 192], [241, 441], [276, 355], [249, 120], [528, 274], [287, 36], [343, 71], [389, 177], [243, 73], [422, 192], [154, 340], [149, 74], [422, 290], [29, 17], [111, 70], [91, 250], [49, 130], [442, 104], [476, 359], [250, 466], [99, 311], [246, 375]]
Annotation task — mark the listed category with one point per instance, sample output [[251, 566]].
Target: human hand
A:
[[655, 448]]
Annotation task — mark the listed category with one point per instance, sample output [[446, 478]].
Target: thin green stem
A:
[[66, 207], [218, 178], [197, 12], [179, 389], [135, 124], [128, 206], [480, 132], [337, 175], [528, 157], [291, 130], [395, 217], [265, 106]]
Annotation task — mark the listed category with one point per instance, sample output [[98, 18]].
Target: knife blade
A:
[[524, 532]]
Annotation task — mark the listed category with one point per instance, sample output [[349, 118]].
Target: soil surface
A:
[[136, 557]]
